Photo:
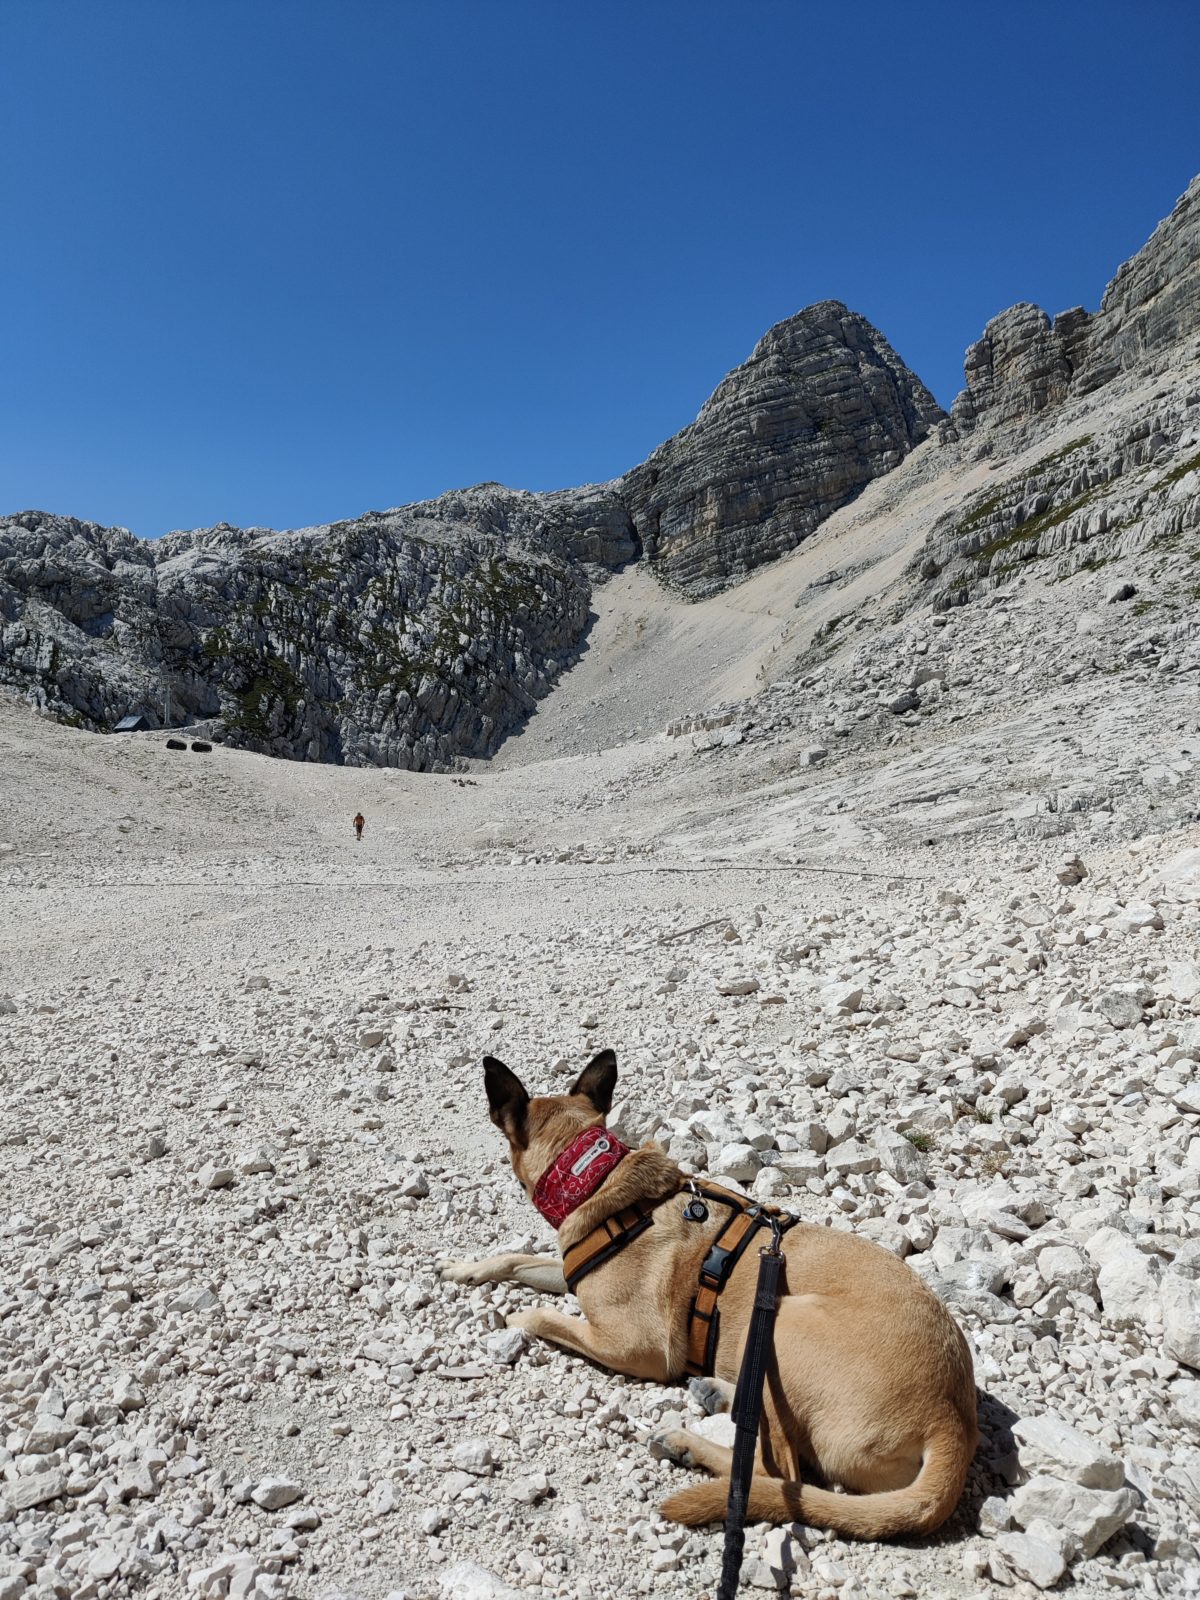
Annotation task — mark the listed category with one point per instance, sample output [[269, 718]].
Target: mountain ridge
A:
[[419, 635]]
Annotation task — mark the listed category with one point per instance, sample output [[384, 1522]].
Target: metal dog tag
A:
[[695, 1211]]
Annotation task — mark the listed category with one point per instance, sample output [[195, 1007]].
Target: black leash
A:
[[747, 1411]]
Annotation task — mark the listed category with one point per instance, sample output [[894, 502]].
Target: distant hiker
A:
[[360, 823]]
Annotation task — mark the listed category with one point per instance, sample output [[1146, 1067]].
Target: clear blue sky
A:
[[280, 263]]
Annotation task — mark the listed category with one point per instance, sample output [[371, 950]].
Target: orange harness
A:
[[745, 1219]]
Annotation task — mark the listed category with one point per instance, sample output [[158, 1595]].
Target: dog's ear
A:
[[598, 1080], [508, 1100]]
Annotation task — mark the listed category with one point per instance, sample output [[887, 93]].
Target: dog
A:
[[870, 1385]]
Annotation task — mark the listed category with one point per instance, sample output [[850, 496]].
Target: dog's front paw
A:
[[712, 1394], [673, 1446], [452, 1271], [524, 1319]]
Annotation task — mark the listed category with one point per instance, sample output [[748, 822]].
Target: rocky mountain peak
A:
[[410, 636], [420, 634], [822, 406], [1025, 362]]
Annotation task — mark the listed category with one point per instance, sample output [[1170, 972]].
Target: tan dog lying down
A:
[[870, 1387]]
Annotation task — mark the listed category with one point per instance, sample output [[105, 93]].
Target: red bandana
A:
[[577, 1173]]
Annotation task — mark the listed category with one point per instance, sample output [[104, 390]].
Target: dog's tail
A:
[[919, 1508]]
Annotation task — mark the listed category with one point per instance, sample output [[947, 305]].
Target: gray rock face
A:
[[1026, 363], [1154, 300], [411, 637], [415, 636], [1118, 488], [403, 638], [823, 405], [1019, 367], [1120, 475]]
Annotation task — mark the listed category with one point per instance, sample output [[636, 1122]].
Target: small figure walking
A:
[[360, 823]]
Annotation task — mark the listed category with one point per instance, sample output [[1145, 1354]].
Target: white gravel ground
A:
[[243, 1115]]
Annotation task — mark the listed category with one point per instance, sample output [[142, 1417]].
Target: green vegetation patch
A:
[[1027, 532], [1056, 456], [274, 680], [216, 644], [484, 602], [387, 666], [918, 1140], [318, 569], [982, 513], [1182, 470]]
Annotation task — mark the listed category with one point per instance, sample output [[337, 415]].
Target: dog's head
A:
[[537, 1129]]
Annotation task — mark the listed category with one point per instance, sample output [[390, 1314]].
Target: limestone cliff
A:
[[415, 636], [823, 405], [1026, 363], [1099, 411], [401, 638]]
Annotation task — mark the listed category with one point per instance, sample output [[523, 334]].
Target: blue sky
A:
[[281, 263]]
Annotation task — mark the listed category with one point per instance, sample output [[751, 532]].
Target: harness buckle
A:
[[714, 1266]]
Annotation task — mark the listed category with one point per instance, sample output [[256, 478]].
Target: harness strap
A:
[[605, 1241], [704, 1319], [746, 1218]]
